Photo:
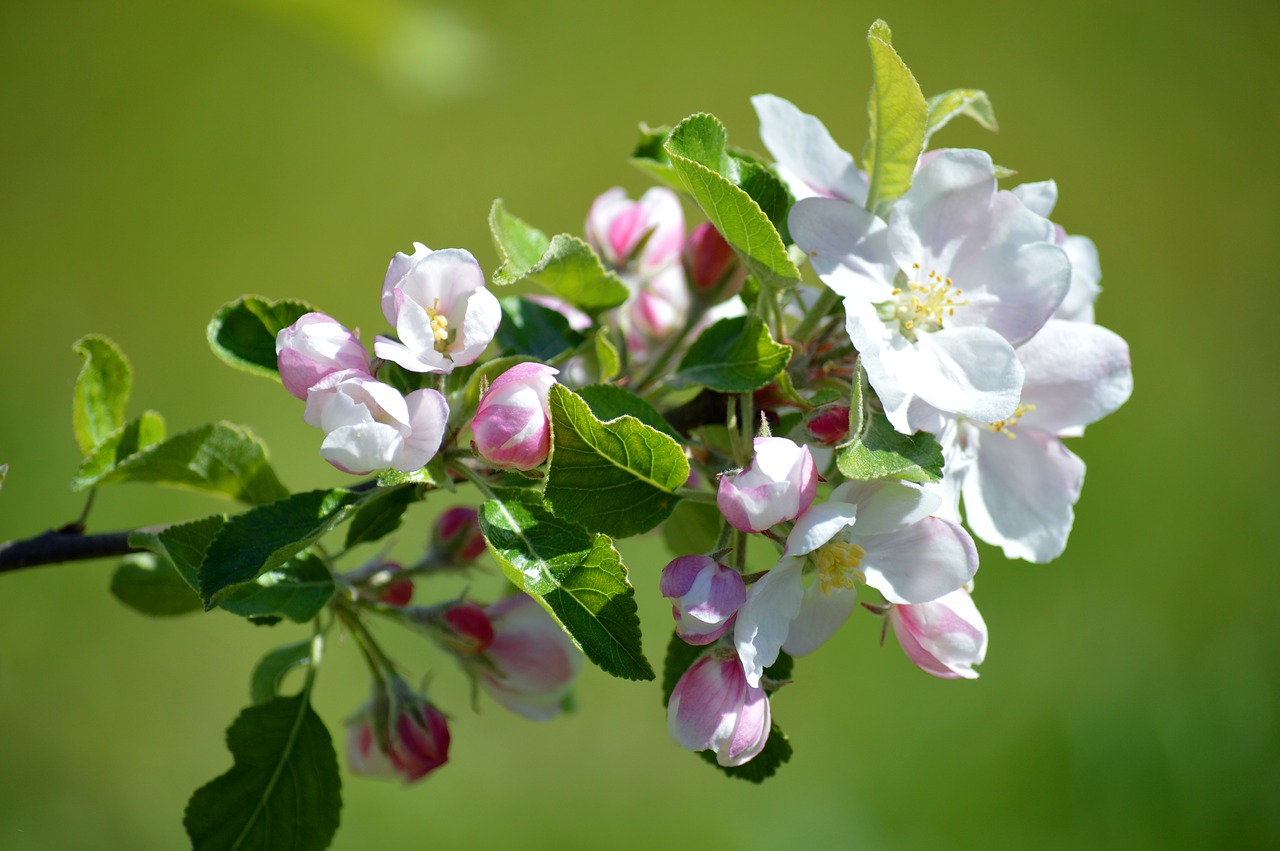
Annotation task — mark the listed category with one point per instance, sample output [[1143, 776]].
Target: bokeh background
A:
[[158, 159]]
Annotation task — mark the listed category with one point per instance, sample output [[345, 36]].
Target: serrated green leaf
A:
[[432, 475], [538, 332], [130, 439], [698, 155], [876, 451], [609, 401], [579, 578], [650, 157], [946, 106], [735, 355], [243, 332], [767, 190], [264, 538], [152, 586], [101, 391], [380, 514], [566, 266], [218, 458], [618, 477], [271, 669], [607, 357], [283, 792], [183, 545], [297, 590], [898, 114]]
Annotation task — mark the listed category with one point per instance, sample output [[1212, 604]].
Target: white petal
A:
[[1077, 373], [1086, 272], [920, 563], [887, 505], [818, 525], [427, 360], [949, 202], [1019, 493], [819, 617], [1039, 198], [361, 448], [847, 246], [480, 323], [973, 372], [1013, 286], [807, 156], [763, 621]]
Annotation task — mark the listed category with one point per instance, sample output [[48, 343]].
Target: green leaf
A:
[[380, 514], [698, 155], [609, 401], [766, 189], [566, 266], [877, 451], [243, 332], [264, 538], [649, 156], [151, 585], [283, 790], [297, 590], [101, 391], [272, 668], [130, 439], [607, 357], [579, 577], [946, 106], [618, 477], [183, 545], [694, 527], [530, 329], [4, 471], [735, 355], [219, 458], [898, 115]]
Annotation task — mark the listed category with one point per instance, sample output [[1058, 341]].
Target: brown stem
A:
[[65, 544]]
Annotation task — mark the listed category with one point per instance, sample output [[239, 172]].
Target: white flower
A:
[[369, 426], [937, 298], [438, 304], [1018, 481], [1040, 198], [945, 637], [880, 533], [806, 157]]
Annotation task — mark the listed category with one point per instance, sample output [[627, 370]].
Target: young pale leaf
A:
[[218, 458], [898, 115], [297, 590], [607, 357], [578, 576], [609, 401], [380, 514], [735, 355], [264, 538], [283, 790], [151, 585], [101, 391], [566, 266], [530, 329], [618, 477], [130, 439], [696, 149], [946, 106], [243, 332], [881, 452], [271, 669]]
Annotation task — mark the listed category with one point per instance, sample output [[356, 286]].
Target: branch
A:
[[65, 544]]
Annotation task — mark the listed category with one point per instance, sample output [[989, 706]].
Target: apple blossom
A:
[[398, 733], [778, 484], [455, 537], [530, 665], [945, 637], [882, 533], [1086, 272], [513, 424], [440, 309], [639, 238], [705, 596], [807, 158], [369, 426], [313, 347], [713, 707], [937, 298]]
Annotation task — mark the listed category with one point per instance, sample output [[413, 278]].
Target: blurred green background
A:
[[159, 159]]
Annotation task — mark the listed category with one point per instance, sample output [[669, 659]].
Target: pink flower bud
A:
[[660, 305], [369, 426], [778, 484], [830, 425], [646, 235], [512, 424], [946, 637], [710, 260], [705, 597], [398, 733], [314, 347], [391, 589], [469, 626], [713, 707], [456, 536], [530, 666]]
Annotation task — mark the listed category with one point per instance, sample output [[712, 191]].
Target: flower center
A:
[[439, 327], [839, 565], [1006, 426], [921, 305]]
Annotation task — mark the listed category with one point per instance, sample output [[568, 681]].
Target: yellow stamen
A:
[[1006, 426], [839, 565]]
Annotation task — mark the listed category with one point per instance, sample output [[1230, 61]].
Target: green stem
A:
[[826, 300], [473, 477], [696, 311]]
